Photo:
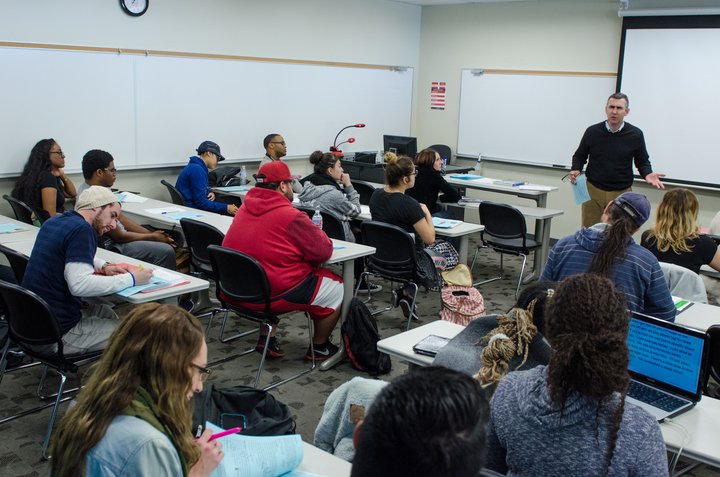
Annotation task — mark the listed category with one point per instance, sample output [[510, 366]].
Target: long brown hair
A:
[[587, 324], [615, 242], [152, 347]]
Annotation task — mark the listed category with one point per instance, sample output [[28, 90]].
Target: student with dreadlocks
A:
[[570, 417], [607, 249]]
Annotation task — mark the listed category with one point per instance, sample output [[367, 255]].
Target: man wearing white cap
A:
[[63, 268]]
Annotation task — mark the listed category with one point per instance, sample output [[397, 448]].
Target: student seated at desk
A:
[[193, 180], [62, 268], [133, 416], [570, 417], [275, 149], [430, 182], [290, 248], [43, 183], [127, 238], [675, 236]]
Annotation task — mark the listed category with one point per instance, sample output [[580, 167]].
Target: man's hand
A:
[[142, 276], [211, 196], [160, 236], [232, 209], [111, 269], [572, 177], [654, 180]]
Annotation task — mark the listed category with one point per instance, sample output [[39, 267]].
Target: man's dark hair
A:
[[429, 422], [94, 160], [268, 139], [620, 96]]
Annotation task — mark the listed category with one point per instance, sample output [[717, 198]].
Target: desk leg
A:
[[348, 279], [464, 246], [541, 228]]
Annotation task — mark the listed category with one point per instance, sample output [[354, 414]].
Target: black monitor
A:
[[400, 145]]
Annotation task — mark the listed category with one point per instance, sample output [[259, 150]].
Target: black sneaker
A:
[[373, 288], [273, 351], [322, 351], [405, 307]]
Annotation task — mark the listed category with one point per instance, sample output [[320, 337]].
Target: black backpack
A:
[[224, 176], [257, 412], [360, 336]]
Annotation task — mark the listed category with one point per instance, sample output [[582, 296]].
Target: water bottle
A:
[[379, 157], [477, 164], [243, 175], [443, 168], [317, 219]]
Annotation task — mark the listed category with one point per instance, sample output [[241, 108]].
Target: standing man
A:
[[609, 148], [127, 238], [291, 251], [63, 268], [193, 180], [275, 149]]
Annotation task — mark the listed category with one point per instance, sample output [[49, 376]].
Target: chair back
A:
[[444, 151], [714, 356], [199, 236], [502, 221], [18, 262], [684, 283], [31, 321], [239, 277], [22, 211], [175, 194], [365, 190], [394, 250], [332, 226]]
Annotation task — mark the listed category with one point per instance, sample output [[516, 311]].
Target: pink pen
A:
[[234, 430]]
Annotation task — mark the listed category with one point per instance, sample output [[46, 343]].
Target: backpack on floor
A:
[[360, 336], [461, 304], [255, 411]]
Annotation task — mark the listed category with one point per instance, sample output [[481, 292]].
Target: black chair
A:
[[32, 323], [505, 232], [198, 237], [18, 262], [41, 214], [175, 195], [713, 364], [394, 257], [332, 226], [22, 211], [241, 279], [365, 190], [444, 151]]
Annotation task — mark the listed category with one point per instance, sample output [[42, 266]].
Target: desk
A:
[[539, 196], [195, 284], [401, 345], [139, 213], [699, 316], [702, 423], [317, 461], [23, 235]]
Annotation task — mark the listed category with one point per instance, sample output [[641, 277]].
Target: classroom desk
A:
[[195, 284], [699, 316], [539, 196], [139, 213], [317, 461], [401, 345], [29, 234], [701, 423]]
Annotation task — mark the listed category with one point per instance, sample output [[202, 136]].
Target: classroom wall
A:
[[367, 31], [562, 35]]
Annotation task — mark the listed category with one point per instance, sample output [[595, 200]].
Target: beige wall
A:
[[562, 35]]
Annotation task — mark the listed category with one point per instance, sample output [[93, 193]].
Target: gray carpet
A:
[[22, 438]]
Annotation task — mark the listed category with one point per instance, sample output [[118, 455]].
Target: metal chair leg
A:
[[51, 424], [522, 272], [312, 361], [412, 304]]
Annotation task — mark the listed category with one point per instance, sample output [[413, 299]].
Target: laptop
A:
[[667, 366]]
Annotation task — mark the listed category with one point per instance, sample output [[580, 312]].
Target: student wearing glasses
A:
[[134, 416], [193, 180], [43, 184], [275, 149]]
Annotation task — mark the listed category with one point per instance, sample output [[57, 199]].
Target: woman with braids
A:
[[607, 249], [134, 416], [675, 237], [43, 183], [570, 418]]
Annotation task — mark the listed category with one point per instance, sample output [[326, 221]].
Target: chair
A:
[[444, 151], [175, 195], [332, 226], [199, 236], [507, 231], [713, 364], [42, 329], [394, 257], [41, 214], [365, 190], [684, 283], [22, 211], [240, 278], [18, 262]]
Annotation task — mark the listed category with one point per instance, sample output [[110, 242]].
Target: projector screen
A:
[[669, 69]]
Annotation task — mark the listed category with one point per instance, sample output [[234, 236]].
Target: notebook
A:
[[666, 366]]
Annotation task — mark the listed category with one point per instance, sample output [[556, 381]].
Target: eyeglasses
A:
[[278, 142], [204, 372], [413, 173], [57, 152], [112, 171]]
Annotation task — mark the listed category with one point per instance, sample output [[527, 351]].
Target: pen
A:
[[234, 430], [199, 431]]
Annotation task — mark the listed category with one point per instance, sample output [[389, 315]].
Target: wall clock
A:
[[134, 8]]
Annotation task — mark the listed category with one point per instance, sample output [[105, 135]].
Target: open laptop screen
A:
[[666, 353]]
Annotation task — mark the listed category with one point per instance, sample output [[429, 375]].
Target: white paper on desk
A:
[[129, 197], [580, 190], [535, 187], [253, 456], [163, 210]]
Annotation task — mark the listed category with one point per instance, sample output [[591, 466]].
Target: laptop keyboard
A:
[[652, 396]]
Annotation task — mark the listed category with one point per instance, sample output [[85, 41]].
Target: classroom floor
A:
[[22, 438]]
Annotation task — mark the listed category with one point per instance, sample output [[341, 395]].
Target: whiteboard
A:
[[528, 118], [153, 111]]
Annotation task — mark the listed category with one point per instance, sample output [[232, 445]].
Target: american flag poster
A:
[[437, 95]]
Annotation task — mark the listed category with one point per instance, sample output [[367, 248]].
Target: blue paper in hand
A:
[[580, 190]]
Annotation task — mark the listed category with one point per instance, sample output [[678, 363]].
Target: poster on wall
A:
[[437, 95]]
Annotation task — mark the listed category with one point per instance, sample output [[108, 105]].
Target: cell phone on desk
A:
[[430, 345]]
